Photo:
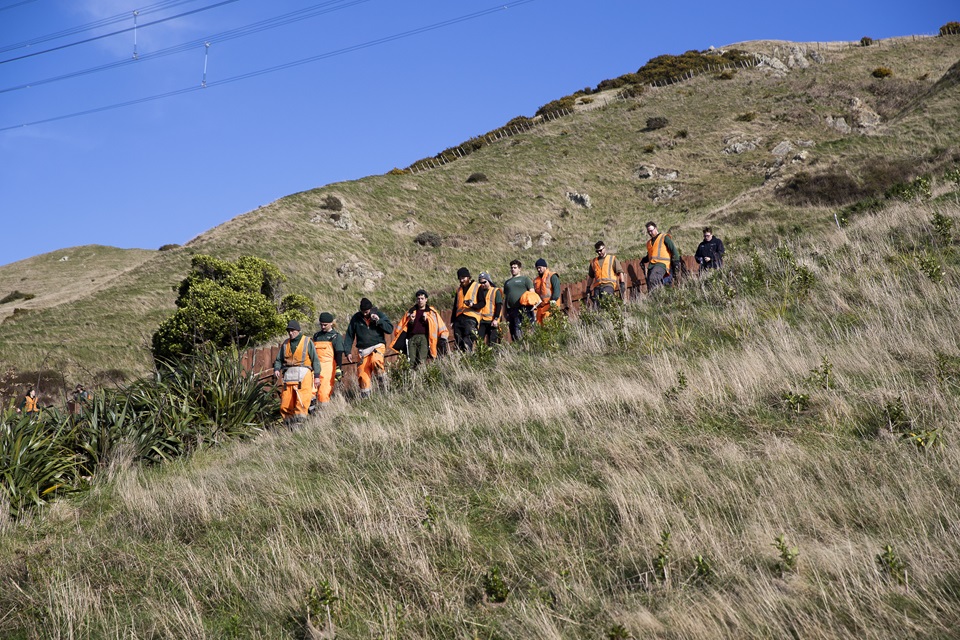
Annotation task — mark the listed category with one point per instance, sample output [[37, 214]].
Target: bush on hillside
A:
[[669, 67], [428, 239], [632, 91], [168, 247], [476, 177], [951, 28], [17, 295], [829, 188], [882, 72], [726, 74], [332, 203], [225, 303], [749, 116], [396, 171], [866, 41], [656, 122]]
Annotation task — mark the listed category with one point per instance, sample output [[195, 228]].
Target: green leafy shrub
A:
[[951, 28], [726, 74], [891, 565], [681, 134], [668, 67], [396, 171], [656, 122], [632, 91], [227, 303], [866, 41], [168, 247], [476, 177], [428, 239], [943, 228], [916, 189], [882, 72]]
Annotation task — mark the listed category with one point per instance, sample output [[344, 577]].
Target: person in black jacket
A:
[[710, 252]]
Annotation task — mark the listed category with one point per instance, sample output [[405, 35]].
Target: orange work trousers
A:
[[370, 365], [295, 397], [326, 380], [543, 312]]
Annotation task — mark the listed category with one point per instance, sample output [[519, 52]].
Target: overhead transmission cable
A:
[[90, 26], [239, 32], [281, 67], [113, 33], [16, 4]]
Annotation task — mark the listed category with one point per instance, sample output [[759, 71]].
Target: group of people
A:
[[308, 369], [29, 404]]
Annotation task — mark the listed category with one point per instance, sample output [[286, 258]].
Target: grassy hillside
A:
[[596, 151], [767, 452]]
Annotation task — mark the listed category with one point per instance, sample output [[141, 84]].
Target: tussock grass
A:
[[564, 470]]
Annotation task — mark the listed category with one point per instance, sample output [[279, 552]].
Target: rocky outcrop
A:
[[580, 199], [649, 171], [354, 270]]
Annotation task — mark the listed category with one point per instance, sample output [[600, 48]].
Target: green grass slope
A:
[[369, 249], [631, 483]]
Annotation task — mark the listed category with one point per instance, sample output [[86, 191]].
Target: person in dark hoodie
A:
[[370, 328]]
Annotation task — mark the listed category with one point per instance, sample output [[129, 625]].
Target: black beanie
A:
[[462, 273]]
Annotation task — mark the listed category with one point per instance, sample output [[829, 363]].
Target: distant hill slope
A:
[[720, 139]]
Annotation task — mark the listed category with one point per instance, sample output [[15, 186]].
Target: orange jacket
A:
[[544, 286], [436, 329], [490, 304]]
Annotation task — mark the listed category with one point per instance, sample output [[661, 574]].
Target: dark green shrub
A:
[[494, 587], [564, 103], [681, 134], [951, 28], [397, 172], [669, 67], [866, 41], [726, 74], [830, 189], [749, 116], [656, 122], [882, 72], [17, 295], [227, 303], [476, 177], [168, 247], [632, 91], [428, 239], [332, 203]]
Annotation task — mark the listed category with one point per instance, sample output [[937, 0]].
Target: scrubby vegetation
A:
[[882, 72], [950, 28], [15, 295], [224, 303]]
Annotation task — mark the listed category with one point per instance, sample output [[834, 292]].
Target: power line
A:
[[281, 67], [16, 4], [166, 4], [113, 33], [239, 32]]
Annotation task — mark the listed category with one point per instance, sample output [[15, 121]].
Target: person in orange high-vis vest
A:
[[547, 285], [662, 257], [294, 366], [606, 275], [29, 404], [465, 318], [421, 332], [490, 315], [329, 345]]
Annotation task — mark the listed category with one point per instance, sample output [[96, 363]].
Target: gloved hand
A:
[[338, 376]]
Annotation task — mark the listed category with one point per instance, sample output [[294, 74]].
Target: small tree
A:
[[226, 303], [951, 28]]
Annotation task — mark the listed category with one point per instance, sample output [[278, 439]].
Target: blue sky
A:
[[165, 170]]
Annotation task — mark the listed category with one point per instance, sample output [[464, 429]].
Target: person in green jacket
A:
[[513, 290], [369, 327]]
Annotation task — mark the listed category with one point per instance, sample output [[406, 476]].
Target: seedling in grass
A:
[[798, 402], [703, 569], [661, 562], [892, 566], [494, 586], [788, 555]]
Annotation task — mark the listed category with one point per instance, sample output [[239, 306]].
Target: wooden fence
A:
[[573, 296]]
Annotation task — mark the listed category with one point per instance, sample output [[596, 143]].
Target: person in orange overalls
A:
[[295, 366], [370, 328], [329, 345]]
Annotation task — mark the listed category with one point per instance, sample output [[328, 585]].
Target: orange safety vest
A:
[[30, 405], [464, 302], [298, 358], [657, 251], [542, 284], [486, 314], [436, 329], [603, 274]]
